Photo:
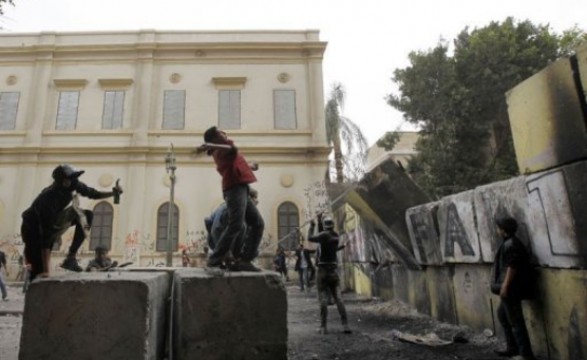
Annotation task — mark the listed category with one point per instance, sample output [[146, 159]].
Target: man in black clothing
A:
[[328, 280], [510, 281], [49, 217]]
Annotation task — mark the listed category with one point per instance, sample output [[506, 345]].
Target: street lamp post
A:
[[170, 168]]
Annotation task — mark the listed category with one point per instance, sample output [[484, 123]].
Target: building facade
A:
[[111, 103]]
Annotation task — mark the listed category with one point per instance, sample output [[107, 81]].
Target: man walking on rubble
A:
[[328, 280]]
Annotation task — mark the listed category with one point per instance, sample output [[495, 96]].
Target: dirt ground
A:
[[373, 323]]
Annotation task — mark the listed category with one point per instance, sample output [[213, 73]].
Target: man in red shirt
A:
[[236, 174]]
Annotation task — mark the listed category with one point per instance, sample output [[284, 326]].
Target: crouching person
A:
[[50, 215]]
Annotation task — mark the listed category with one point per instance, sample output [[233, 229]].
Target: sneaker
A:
[[5, 299], [346, 329], [70, 263], [322, 330], [244, 266]]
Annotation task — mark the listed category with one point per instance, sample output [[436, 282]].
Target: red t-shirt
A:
[[233, 168]]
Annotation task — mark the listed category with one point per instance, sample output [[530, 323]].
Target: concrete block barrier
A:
[[96, 316], [236, 316]]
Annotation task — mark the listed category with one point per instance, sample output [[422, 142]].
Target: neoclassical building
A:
[[111, 103]]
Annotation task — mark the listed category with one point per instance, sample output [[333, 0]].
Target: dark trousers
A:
[[511, 318], [328, 284], [34, 243], [241, 210]]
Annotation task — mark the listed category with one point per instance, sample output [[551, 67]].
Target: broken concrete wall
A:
[[455, 241]]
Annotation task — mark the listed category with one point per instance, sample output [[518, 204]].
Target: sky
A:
[[367, 39]]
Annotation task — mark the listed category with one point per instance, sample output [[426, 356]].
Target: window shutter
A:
[[8, 110], [67, 110], [173, 109], [284, 105], [288, 220], [229, 109], [162, 214], [101, 233], [113, 109]]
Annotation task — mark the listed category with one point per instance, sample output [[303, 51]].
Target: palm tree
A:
[[342, 130]]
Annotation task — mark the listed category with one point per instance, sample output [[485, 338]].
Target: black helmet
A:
[[65, 171], [328, 223]]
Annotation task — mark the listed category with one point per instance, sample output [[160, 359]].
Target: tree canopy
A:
[[456, 95], [3, 4]]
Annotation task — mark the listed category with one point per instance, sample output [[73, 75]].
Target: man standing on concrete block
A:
[[328, 280], [511, 281], [49, 217], [236, 174]]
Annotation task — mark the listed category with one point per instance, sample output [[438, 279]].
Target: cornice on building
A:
[[212, 44]]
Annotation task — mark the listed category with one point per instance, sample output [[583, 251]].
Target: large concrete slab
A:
[[96, 316], [423, 228], [235, 316], [459, 242], [557, 204], [440, 288], [504, 198], [389, 192], [547, 120], [472, 294]]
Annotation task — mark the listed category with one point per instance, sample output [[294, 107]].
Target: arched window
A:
[[288, 221], [162, 216], [101, 233]]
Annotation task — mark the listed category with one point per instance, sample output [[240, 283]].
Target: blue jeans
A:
[[511, 318], [241, 210], [304, 277]]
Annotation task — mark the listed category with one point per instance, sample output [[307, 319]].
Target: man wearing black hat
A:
[[511, 281], [49, 216]]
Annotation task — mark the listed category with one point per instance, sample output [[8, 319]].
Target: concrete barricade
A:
[[235, 316], [96, 316]]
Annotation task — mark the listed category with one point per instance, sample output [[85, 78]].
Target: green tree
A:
[[347, 139], [457, 99]]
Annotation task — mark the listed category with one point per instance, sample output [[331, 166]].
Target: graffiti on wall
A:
[[317, 200], [549, 208], [455, 233]]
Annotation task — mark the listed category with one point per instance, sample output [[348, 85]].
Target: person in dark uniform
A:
[[49, 216], [328, 280], [511, 281]]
